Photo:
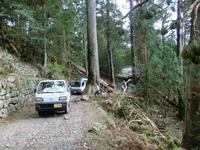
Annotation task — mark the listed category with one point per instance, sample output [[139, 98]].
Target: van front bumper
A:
[[50, 106]]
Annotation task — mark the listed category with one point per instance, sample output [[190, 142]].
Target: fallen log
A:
[[153, 125], [103, 83], [9, 42]]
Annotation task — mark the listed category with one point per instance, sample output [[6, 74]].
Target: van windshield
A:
[[51, 87], [76, 84]]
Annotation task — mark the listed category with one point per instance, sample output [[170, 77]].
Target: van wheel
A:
[[40, 113], [67, 108]]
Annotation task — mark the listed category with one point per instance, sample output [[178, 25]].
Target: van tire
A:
[[67, 108], [40, 113]]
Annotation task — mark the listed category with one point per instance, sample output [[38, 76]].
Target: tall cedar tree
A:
[[109, 46], [191, 136], [93, 60]]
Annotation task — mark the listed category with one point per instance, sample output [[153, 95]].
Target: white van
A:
[[79, 86], [52, 95]]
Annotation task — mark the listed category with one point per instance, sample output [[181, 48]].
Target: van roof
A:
[[52, 80], [83, 79]]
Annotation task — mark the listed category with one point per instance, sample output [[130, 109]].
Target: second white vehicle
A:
[[79, 86], [52, 95]]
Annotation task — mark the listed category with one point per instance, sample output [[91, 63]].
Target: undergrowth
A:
[[132, 110]]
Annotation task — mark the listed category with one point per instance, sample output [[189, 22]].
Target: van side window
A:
[[83, 84]]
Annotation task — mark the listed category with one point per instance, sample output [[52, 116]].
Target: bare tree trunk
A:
[[191, 135], [195, 22], [178, 32], [64, 43], [85, 47], [132, 41], [178, 51], [93, 58], [109, 48], [1, 30], [45, 42], [162, 34]]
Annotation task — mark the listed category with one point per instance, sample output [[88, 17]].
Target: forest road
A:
[[25, 130]]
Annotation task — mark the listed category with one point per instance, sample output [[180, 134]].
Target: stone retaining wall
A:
[[15, 92], [17, 83]]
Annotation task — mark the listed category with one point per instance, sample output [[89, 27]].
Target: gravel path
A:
[[26, 130]]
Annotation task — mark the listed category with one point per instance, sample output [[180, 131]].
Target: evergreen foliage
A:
[[59, 29]]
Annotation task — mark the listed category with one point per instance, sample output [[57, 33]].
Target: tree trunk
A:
[[64, 43], [45, 43], [181, 107], [191, 135], [178, 32], [1, 30], [93, 59], [195, 22], [132, 42], [109, 48], [85, 47]]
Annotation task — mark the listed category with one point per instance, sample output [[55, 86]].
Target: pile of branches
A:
[[131, 110]]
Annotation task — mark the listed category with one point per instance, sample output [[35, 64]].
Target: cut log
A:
[[155, 128], [109, 87]]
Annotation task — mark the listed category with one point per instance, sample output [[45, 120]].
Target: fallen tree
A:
[[9, 42], [107, 87]]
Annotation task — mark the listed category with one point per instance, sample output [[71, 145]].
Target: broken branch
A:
[[133, 8], [7, 40], [193, 6]]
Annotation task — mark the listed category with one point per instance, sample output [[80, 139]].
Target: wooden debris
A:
[[110, 88], [125, 86], [154, 126]]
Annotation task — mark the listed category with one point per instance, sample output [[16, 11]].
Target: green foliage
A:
[[148, 15], [25, 21], [171, 145], [192, 140], [56, 68], [175, 24], [192, 52], [125, 109], [132, 110], [164, 31], [117, 37], [162, 71], [4, 72], [56, 71]]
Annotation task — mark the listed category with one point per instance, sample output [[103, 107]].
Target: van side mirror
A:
[[34, 90]]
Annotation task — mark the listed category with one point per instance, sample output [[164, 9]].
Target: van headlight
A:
[[39, 99], [62, 98]]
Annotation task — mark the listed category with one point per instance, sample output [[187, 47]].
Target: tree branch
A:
[[195, 17], [133, 8], [7, 40], [190, 9]]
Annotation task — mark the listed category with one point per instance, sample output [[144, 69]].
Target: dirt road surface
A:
[[26, 130]]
